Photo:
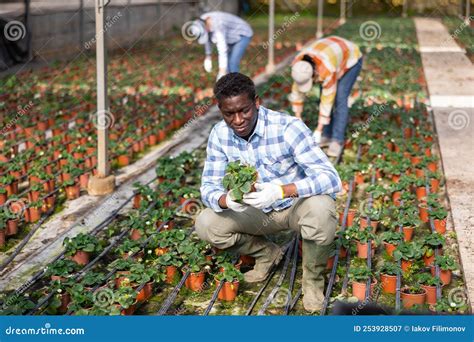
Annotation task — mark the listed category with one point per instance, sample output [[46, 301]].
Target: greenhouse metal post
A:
[[342, 18], [319, 31], [270, 67]]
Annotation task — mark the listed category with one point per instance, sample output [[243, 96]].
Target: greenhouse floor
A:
[[450, 79]]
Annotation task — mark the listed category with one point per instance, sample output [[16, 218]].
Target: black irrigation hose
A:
[[25, 241], [216, 294], [369, 243], [294, 267], [436, 251], [277, 286], [399, 275], [332, 277], [169, 301], [296, 298], [269, 278]]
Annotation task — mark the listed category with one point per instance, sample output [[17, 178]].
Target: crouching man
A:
[[296, 187]]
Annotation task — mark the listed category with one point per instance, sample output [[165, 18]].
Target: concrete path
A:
[[450, 78]]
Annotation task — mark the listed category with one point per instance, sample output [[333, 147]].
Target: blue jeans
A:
[[340, 111], [235, 53]]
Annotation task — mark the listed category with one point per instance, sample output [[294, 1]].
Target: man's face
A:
[[240, 113]]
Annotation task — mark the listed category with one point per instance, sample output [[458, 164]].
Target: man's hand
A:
[[208, 64], [232, 205], [265, 196]]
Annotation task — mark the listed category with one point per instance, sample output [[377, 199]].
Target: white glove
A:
[[265, 196], [234, 205], [208, 64], [317, 137]]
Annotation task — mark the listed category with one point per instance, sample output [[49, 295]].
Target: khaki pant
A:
[[314, 217]]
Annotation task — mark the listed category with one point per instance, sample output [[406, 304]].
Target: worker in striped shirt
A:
[[334, 63], [231, 35]]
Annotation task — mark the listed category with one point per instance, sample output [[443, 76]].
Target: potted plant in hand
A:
[[231, 277], [359, 276], [391, 240], [81, 247], [407, 252], [446, 264], [239, 179], [429, 283], [430, 243], [388, 276]]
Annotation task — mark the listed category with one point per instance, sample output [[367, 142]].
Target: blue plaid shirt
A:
[[283, 151]]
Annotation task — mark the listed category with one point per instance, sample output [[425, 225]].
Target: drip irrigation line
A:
[[277, 287], [294, 267], [399, 263], [269, 278], [332, 277], [169, 301], [369, 242], [216, 293], [295, 299], [436, 251]]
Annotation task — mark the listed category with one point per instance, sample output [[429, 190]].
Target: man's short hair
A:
[[234, 84]]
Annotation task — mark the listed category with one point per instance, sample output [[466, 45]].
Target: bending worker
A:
[[296, 187], [231, 35], [335, 63]]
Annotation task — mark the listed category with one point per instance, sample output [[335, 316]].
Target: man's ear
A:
[[258, 101]]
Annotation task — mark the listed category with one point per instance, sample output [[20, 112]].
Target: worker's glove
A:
[[265, 196], [208, 64], [232, 205], [317, 136]]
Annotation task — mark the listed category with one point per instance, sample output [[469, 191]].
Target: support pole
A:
[[468, 12], [319, 31], [405, 8], [102, 183], [270, 67], [342, 18]]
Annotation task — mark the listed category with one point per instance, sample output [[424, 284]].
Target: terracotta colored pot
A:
[[228, 291], [406, 264], [84, 180], [362, 250], [389, 248], [2, 237], [440, 225], [415, 160], [428, 260], [430, 294], [408, 233], [3, 198], [444, 275], [396, 197], [121, 279], [359, 289], [350, 217], [359, 178], [195, 281], [135, 234], [145, 292], [409, 299], [65, 299], [345, 186], [363, 224], [342, 253], [136, 201], [421, 193], [171, 272], [81, 257], [423, 213], [432, 167], [34, 214], [395, 178], [12, 227], [247, 260], [434, 185], [420, 173], [389, 283], [123, 160], [330, 262], [73, 191]]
